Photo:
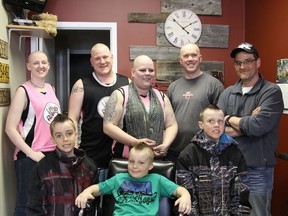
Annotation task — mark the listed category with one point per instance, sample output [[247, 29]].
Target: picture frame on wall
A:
[[282, 80]]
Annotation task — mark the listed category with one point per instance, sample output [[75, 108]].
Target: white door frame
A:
[[111, 26], [38, 44]]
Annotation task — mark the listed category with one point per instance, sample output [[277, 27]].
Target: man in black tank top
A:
[[87, 104]]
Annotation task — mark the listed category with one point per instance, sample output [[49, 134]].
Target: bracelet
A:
[[227, 124]]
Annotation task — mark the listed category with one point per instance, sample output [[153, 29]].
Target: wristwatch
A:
[[227, 124]]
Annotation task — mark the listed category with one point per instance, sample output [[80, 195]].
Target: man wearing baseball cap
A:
[[253, 107], [246, 47]]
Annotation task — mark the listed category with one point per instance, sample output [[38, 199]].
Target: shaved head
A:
[[141, 59], [32, 56], [189, 46], [100, 46]]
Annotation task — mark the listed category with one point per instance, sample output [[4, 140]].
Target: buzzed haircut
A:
[[210, 106], [60, 118], [144, 147]]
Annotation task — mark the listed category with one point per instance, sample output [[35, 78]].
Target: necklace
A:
[[40, 87], [105, 83], [144, 95]]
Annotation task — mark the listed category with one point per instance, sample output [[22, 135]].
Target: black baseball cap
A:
[[246, 47]]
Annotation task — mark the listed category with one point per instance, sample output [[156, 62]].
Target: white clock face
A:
[[182, 26]]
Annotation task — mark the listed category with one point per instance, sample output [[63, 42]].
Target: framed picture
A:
[[282, 80]]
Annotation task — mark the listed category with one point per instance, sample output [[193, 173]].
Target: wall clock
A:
[[182, 26]]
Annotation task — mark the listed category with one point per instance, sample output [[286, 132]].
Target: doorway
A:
[[72, 44]]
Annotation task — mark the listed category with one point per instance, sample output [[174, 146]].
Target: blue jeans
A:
[[23, 168], [261, 186], [102, 174]]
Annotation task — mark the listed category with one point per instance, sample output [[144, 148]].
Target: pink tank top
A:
[[42, 110]]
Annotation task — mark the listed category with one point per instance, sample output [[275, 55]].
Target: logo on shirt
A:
[[133, 191], [102, 105], [129, 187], [50, 111], [187, 95]]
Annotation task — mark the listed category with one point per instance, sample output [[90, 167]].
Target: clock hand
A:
[[187, 25], [174, 20]]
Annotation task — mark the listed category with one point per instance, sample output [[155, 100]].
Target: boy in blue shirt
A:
[[137, 192]]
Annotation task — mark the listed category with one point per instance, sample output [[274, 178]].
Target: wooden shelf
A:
[[27, 31], [32, 31]]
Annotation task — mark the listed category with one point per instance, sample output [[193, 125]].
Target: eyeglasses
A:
[[246, 62]]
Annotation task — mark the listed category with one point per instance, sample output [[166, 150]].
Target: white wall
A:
[[16, 61]]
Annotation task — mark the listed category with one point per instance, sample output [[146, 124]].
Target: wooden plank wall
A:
[[167, 71], [203, 7], [168, 67], [166, 56], [216, 36]]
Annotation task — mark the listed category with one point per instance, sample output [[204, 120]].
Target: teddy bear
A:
[[48, 21]]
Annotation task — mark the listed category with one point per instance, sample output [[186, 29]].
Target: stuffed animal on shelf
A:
[[48, 21]]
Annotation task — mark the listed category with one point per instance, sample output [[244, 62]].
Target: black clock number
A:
[[177, 16], [194, 36], [175, 40], [170, 34], [183, 14]]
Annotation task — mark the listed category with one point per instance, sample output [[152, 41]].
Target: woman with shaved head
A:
[[140, 113]]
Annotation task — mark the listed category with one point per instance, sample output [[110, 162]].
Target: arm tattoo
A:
[[110, 110], [77, 89]]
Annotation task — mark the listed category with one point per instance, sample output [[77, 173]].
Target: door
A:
[[69, 53]]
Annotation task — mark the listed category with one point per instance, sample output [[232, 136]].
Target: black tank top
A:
[[93, 140]]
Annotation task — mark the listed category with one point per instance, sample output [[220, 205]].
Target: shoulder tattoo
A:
[[110, 110], [77, 89]]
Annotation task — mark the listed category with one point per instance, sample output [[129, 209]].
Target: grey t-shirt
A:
[[188, 97]]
